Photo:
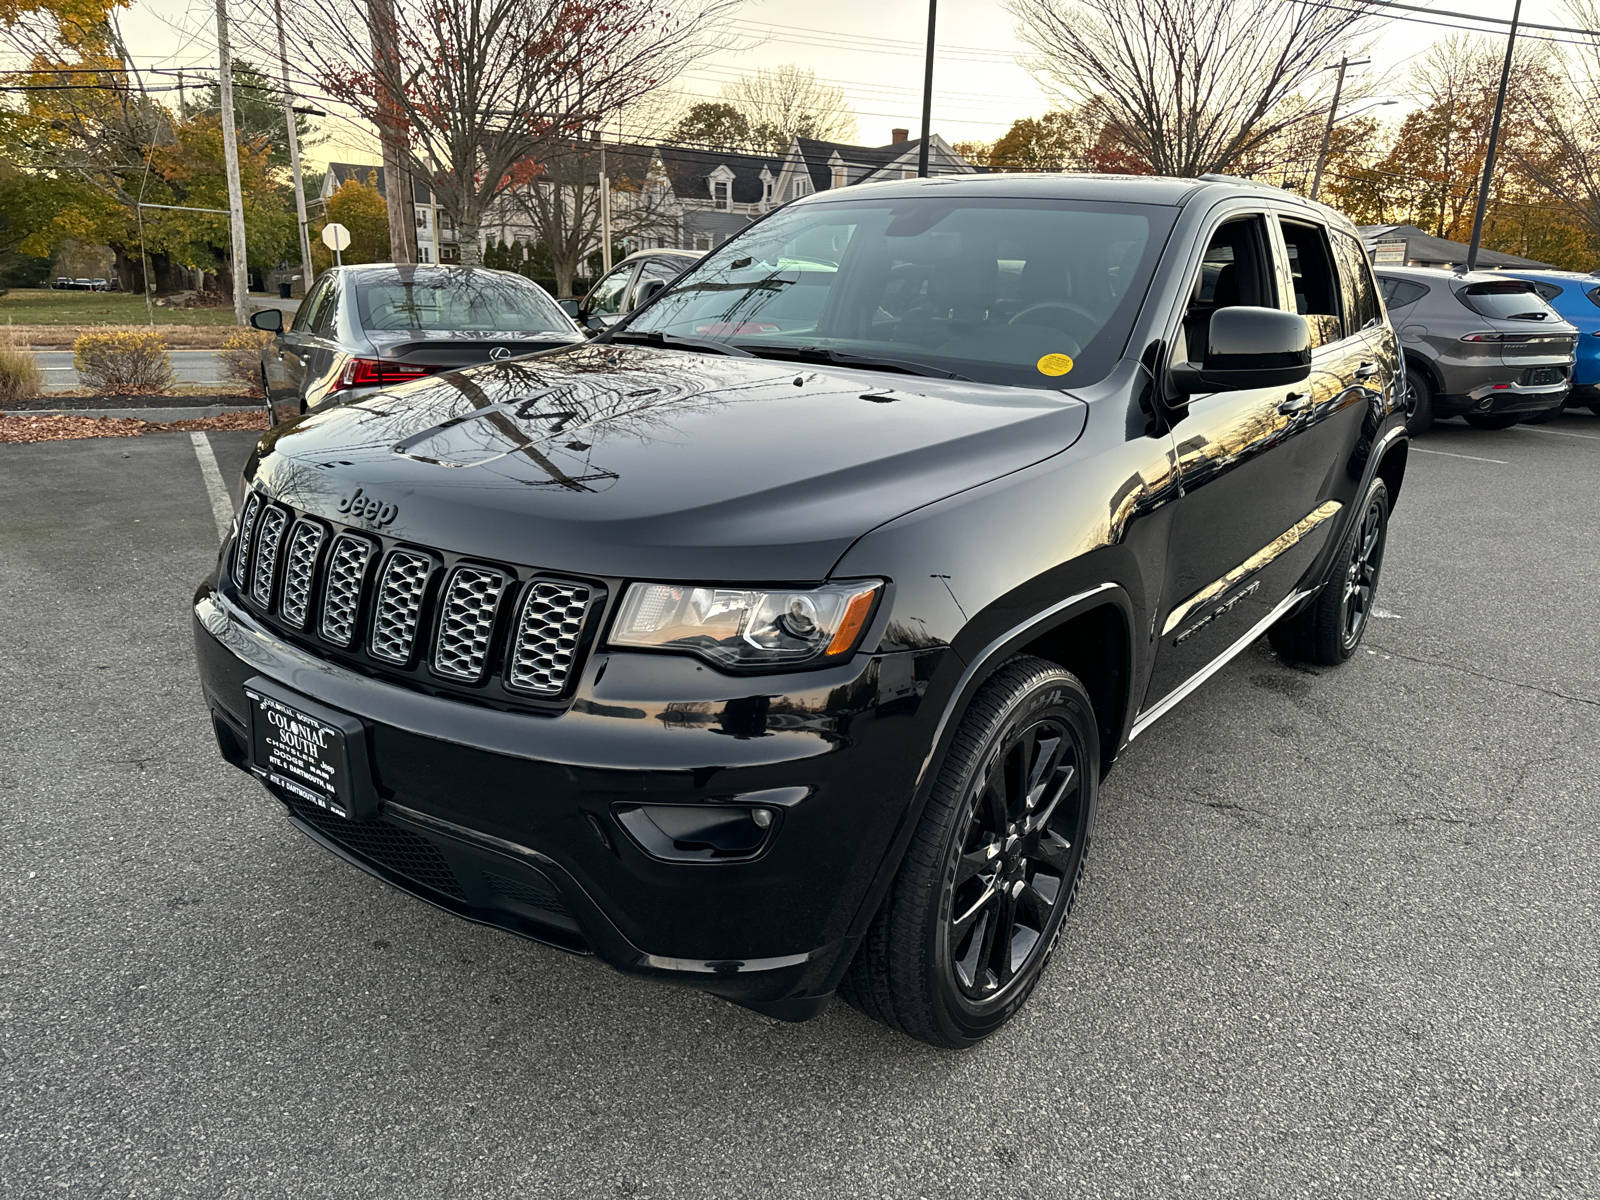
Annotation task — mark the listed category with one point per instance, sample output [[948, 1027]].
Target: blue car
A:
[[1576, 298]]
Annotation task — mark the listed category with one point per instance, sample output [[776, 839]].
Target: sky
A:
[[873, 50]]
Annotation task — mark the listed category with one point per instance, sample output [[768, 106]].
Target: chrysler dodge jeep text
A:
[[776, 642]]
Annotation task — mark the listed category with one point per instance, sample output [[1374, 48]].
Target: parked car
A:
[[364, 328], [62, 282], [83, 284], [776, 655], [1576, 299], [99, 285], [1482, 346], [635, 279]]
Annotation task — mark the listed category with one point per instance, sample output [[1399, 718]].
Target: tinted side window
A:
[[1548, 290], [1233, 272], [305, 314], [1397, 293], [1355, 280], [322, 318], [605, 298], [1316, 289]]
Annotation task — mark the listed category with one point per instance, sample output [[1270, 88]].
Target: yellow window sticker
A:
[[1055, 364]]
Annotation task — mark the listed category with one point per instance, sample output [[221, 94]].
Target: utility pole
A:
[[230, 158], [399, 196], [1333, 111], [1494, 143], [183, 114], [294, 155], [605, 214], [927, 94]]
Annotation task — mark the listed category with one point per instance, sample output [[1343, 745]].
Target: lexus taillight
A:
[[377, 372], [1509, 337]]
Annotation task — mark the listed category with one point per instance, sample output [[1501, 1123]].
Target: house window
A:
[[702, 241], [909, 173], [838, 177], [800, 187], [422, 220], [721, 199], [422, 254]]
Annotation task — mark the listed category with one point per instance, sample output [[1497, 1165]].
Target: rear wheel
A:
[[1492, 420], [993, 866], [1419, 401], [1328, 630]]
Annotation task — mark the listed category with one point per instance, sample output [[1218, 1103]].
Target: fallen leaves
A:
[[60, 429]]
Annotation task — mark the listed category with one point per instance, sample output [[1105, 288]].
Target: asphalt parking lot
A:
[[1340, 937]]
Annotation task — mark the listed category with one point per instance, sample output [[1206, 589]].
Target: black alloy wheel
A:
[[1361, 575], [1330, 627], [1418, 405], [993, 866]]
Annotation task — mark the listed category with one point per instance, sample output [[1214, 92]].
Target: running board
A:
[[1158, 710]]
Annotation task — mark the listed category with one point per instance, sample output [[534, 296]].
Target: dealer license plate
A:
[[304, 754]]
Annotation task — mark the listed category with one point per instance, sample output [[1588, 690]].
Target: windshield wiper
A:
[[865, 361], [672, 341]]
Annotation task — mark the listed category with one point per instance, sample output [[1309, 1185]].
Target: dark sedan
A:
[[364, 328]]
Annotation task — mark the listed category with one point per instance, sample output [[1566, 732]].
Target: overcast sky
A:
[[873, 50]]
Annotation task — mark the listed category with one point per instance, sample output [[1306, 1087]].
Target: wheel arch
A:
[[1392, 467], [1422, 363]]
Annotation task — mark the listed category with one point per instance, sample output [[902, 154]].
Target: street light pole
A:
[[1333, 111], [1494, 143], [927, 94], [230, 159]]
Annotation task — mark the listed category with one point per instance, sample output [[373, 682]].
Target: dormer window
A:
[[838, 177], [721, 195]]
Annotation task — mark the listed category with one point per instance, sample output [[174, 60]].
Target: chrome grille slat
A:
[[269, 539], [341, 601], [545, 644], [467, 602], [299, 567], [241, 549], [399, 605]]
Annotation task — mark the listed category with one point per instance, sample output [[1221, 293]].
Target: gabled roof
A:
[[689, 171], [340, 174], [1422, 247], [863, 161]]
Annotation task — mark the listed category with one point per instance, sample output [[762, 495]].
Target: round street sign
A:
[[335, 236]]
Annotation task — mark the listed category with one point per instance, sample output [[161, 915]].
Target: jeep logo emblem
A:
[[368, 508], [499, 354]]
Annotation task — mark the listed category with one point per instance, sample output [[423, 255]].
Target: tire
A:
[[1001, 846], [1595, 409], [1492, 420], [1419, 401], [1328, 630]]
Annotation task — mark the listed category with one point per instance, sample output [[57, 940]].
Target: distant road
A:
[[190, 366]]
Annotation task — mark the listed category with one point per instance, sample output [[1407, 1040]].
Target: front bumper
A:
[[517, 819]]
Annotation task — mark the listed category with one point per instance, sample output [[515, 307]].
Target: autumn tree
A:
[[257, 112], [1566, 166], [359, 207], [479, 87], [1189, 86], [712, 125]]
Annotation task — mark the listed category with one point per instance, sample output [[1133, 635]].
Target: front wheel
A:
[[1328, 630], [993, 866]]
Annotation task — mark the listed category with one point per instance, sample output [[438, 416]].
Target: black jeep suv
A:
[[776, 642]]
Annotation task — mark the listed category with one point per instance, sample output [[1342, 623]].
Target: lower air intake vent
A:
[[400, 850], [400, 591], [547, 634]]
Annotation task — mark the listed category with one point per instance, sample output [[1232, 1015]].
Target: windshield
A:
[[1037, 293], [457, 301], [1510, 301]]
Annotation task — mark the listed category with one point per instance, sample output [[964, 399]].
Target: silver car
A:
[[1479, 345], [361, 329]]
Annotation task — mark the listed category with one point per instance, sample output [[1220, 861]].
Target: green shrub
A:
[[123, 364], [20, 377]]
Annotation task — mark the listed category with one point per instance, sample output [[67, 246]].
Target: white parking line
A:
[[221, 506], [1588, 437], [1470, 457]]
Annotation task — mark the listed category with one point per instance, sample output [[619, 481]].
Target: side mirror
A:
[[1247, 348], [651, 289], [269, 319], [568, 306]]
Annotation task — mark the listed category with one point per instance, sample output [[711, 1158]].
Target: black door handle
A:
[[1295, 402], [1366, 370]]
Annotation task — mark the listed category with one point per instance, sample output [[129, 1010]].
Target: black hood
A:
[[640, 462]]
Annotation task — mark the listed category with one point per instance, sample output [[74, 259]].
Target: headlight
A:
[[738, 628]]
